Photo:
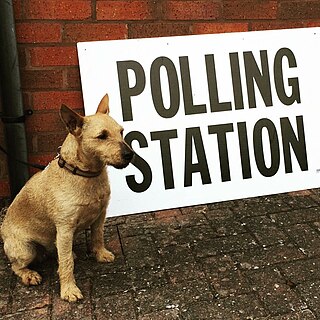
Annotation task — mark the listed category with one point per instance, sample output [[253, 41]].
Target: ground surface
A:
[[255, 258]]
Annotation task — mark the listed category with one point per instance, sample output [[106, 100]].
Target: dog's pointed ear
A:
[[72, 120], [103, 106]]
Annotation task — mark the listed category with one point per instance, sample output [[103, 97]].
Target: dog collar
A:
[[75, 170]]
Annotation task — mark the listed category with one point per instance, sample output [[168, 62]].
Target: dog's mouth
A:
[[127, 157]]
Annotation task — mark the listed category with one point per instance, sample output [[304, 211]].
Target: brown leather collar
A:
[[75, 170]]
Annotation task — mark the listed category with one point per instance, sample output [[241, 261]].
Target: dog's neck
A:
[[71, 153]]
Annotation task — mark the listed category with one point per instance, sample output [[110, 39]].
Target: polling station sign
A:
[[211, 117]]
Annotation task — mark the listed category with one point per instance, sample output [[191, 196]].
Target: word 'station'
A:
[[211, 117], [257, 75]]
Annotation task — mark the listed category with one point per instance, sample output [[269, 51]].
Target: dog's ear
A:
[[103, 106], [72, 120]]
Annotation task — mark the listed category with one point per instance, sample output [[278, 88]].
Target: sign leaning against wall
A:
[[211, 117]]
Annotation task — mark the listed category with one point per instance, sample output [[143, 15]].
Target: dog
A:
[[70, 195]]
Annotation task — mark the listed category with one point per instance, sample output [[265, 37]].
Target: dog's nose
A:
[[127, 154]]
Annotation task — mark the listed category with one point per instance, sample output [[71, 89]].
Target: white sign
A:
[[212, 117]]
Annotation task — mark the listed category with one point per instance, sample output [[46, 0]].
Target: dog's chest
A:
[[88, 214]]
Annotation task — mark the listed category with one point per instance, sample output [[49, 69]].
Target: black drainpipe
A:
[[12, 104]]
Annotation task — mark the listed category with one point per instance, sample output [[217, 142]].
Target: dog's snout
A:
[[127, 154]]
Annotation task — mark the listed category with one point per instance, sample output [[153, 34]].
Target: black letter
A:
[[189, 107], [139, 163], [213, 87], [278, 77], [164, 138], [173, 84], [244, 150], [125, 91], [194, 134], [262, 79], [274, 147], [298, 144], [236, 80], [221, 131]]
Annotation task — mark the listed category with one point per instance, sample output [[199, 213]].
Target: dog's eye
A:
[[103, 136], [121, 132]]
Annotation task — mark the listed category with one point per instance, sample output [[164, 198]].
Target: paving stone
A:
[[176, 254], [150, 276], [300, 315], [265, 230], [30, 297], [192, 219], [301, 270], [140, 251], [171, 314], [231, 308], [175, 296], [262, 257], [224, 223], [39, 314], [277, 296], [225, 277], [306, 238], [310, 291], [296, 216], [120, 307], [183, 271], [301, 201], [207, 247], [111, 283], [194, 209], [259, 206], [63, 310]]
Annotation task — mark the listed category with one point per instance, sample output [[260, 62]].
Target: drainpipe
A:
[[12, 105]]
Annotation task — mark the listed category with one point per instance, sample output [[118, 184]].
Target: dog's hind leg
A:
[[21, 254]]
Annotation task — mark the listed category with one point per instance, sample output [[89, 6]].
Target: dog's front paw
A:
[[31, 278], [71, 293], [104, 255]]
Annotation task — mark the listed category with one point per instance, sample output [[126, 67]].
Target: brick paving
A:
[[254, 258]]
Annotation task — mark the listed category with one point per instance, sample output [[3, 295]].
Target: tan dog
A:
[[71, 194]]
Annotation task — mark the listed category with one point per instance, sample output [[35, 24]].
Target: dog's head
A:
[[99, 137]]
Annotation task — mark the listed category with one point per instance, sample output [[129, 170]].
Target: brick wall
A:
[[47, 31]]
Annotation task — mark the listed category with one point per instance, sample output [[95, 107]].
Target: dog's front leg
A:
[[97, 240], [68, 288]]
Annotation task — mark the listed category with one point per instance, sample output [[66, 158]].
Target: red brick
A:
[[38, 32], [44, 143], [22, 56], [72, 78], [58, 9], [191, 10], [53, 56], [200, 28], [4, 189], [94, 31], [158, 29], [238, 9], [274, 25], [42, 159], [125, 10], [42, 79], [299, 10], [44, 122], [17, 9], [311, 24], [52, 100]]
